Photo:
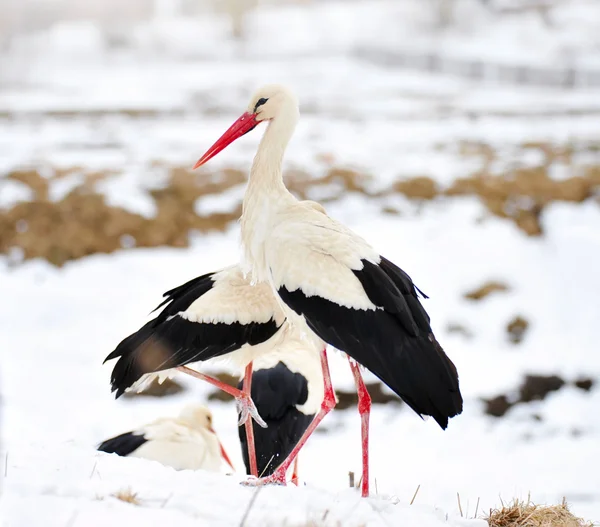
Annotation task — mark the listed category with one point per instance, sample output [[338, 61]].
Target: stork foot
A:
[[246, 408], [277, 478]]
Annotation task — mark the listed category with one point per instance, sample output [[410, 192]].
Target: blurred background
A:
[[461, 137]]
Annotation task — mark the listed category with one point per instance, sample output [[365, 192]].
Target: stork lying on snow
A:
[[186, 442], [287, 389], [332, 284], [217, 315]]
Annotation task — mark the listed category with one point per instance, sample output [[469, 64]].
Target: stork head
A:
[[268, 103], [199, 417]]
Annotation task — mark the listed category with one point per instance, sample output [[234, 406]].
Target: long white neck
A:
[[266, 192], [266, 174]]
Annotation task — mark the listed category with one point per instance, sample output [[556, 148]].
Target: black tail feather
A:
[[123, 444], [276, 392]]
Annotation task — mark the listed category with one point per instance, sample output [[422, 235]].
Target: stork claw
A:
[[277, 478], [246, 408]]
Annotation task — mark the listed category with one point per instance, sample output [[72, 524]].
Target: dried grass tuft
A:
[[127, 495], [521, 513]]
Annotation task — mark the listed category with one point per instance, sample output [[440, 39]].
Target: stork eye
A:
[[260, 102]]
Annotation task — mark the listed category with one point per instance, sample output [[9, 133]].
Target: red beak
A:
[[223, 451], [242, 126]]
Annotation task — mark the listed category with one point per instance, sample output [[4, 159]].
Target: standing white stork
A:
[[332, 284], [217, 315], [188, 442]]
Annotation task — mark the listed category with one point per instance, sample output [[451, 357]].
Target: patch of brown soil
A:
[[378, 396], [526, 514], [82, 223], [516, 329], [497, 406], [584, 383], [341, 180], [486, 289], [421, 187], [537, 387], [532, 388], [37, 183], [523, 194], [220, 395]]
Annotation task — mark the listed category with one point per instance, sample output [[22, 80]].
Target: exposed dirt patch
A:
[[378, 396], [421, 187], [585, 383], [339, 181], [523, 194], [532, 388], [220, 395], [497, 406], [485, 290], [82, 223], [537, 387], [516, 329]]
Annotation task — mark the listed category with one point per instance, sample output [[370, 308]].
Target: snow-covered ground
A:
[[99, 109]]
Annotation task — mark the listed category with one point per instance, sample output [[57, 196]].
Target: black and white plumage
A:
[[216, 315], [208, 317], [187, 442], [287, 389], [412, 364], [332, 284]]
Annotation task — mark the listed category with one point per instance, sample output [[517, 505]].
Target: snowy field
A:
[[67, 99]]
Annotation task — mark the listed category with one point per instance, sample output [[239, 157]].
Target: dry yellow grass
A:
[[526, 514], [127, 495]]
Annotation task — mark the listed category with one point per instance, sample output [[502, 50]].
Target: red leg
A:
[[249, 426], [364, 409], [326, 406], [295, 472], [243, 399]]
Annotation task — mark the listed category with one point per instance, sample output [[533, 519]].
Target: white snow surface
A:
[[166, 97], [57, 405]]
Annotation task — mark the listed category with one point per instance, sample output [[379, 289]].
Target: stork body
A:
[[187, 442], [212, 316], [330, 282], [215, 316], [287, 388]]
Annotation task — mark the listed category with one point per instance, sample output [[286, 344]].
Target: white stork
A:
[[287, 388], [217, 315], [188, 442], [332, 284]]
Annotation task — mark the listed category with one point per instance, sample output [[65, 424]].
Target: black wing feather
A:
[[276, 392], [395, 342], [123, 444], [169, 340]]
